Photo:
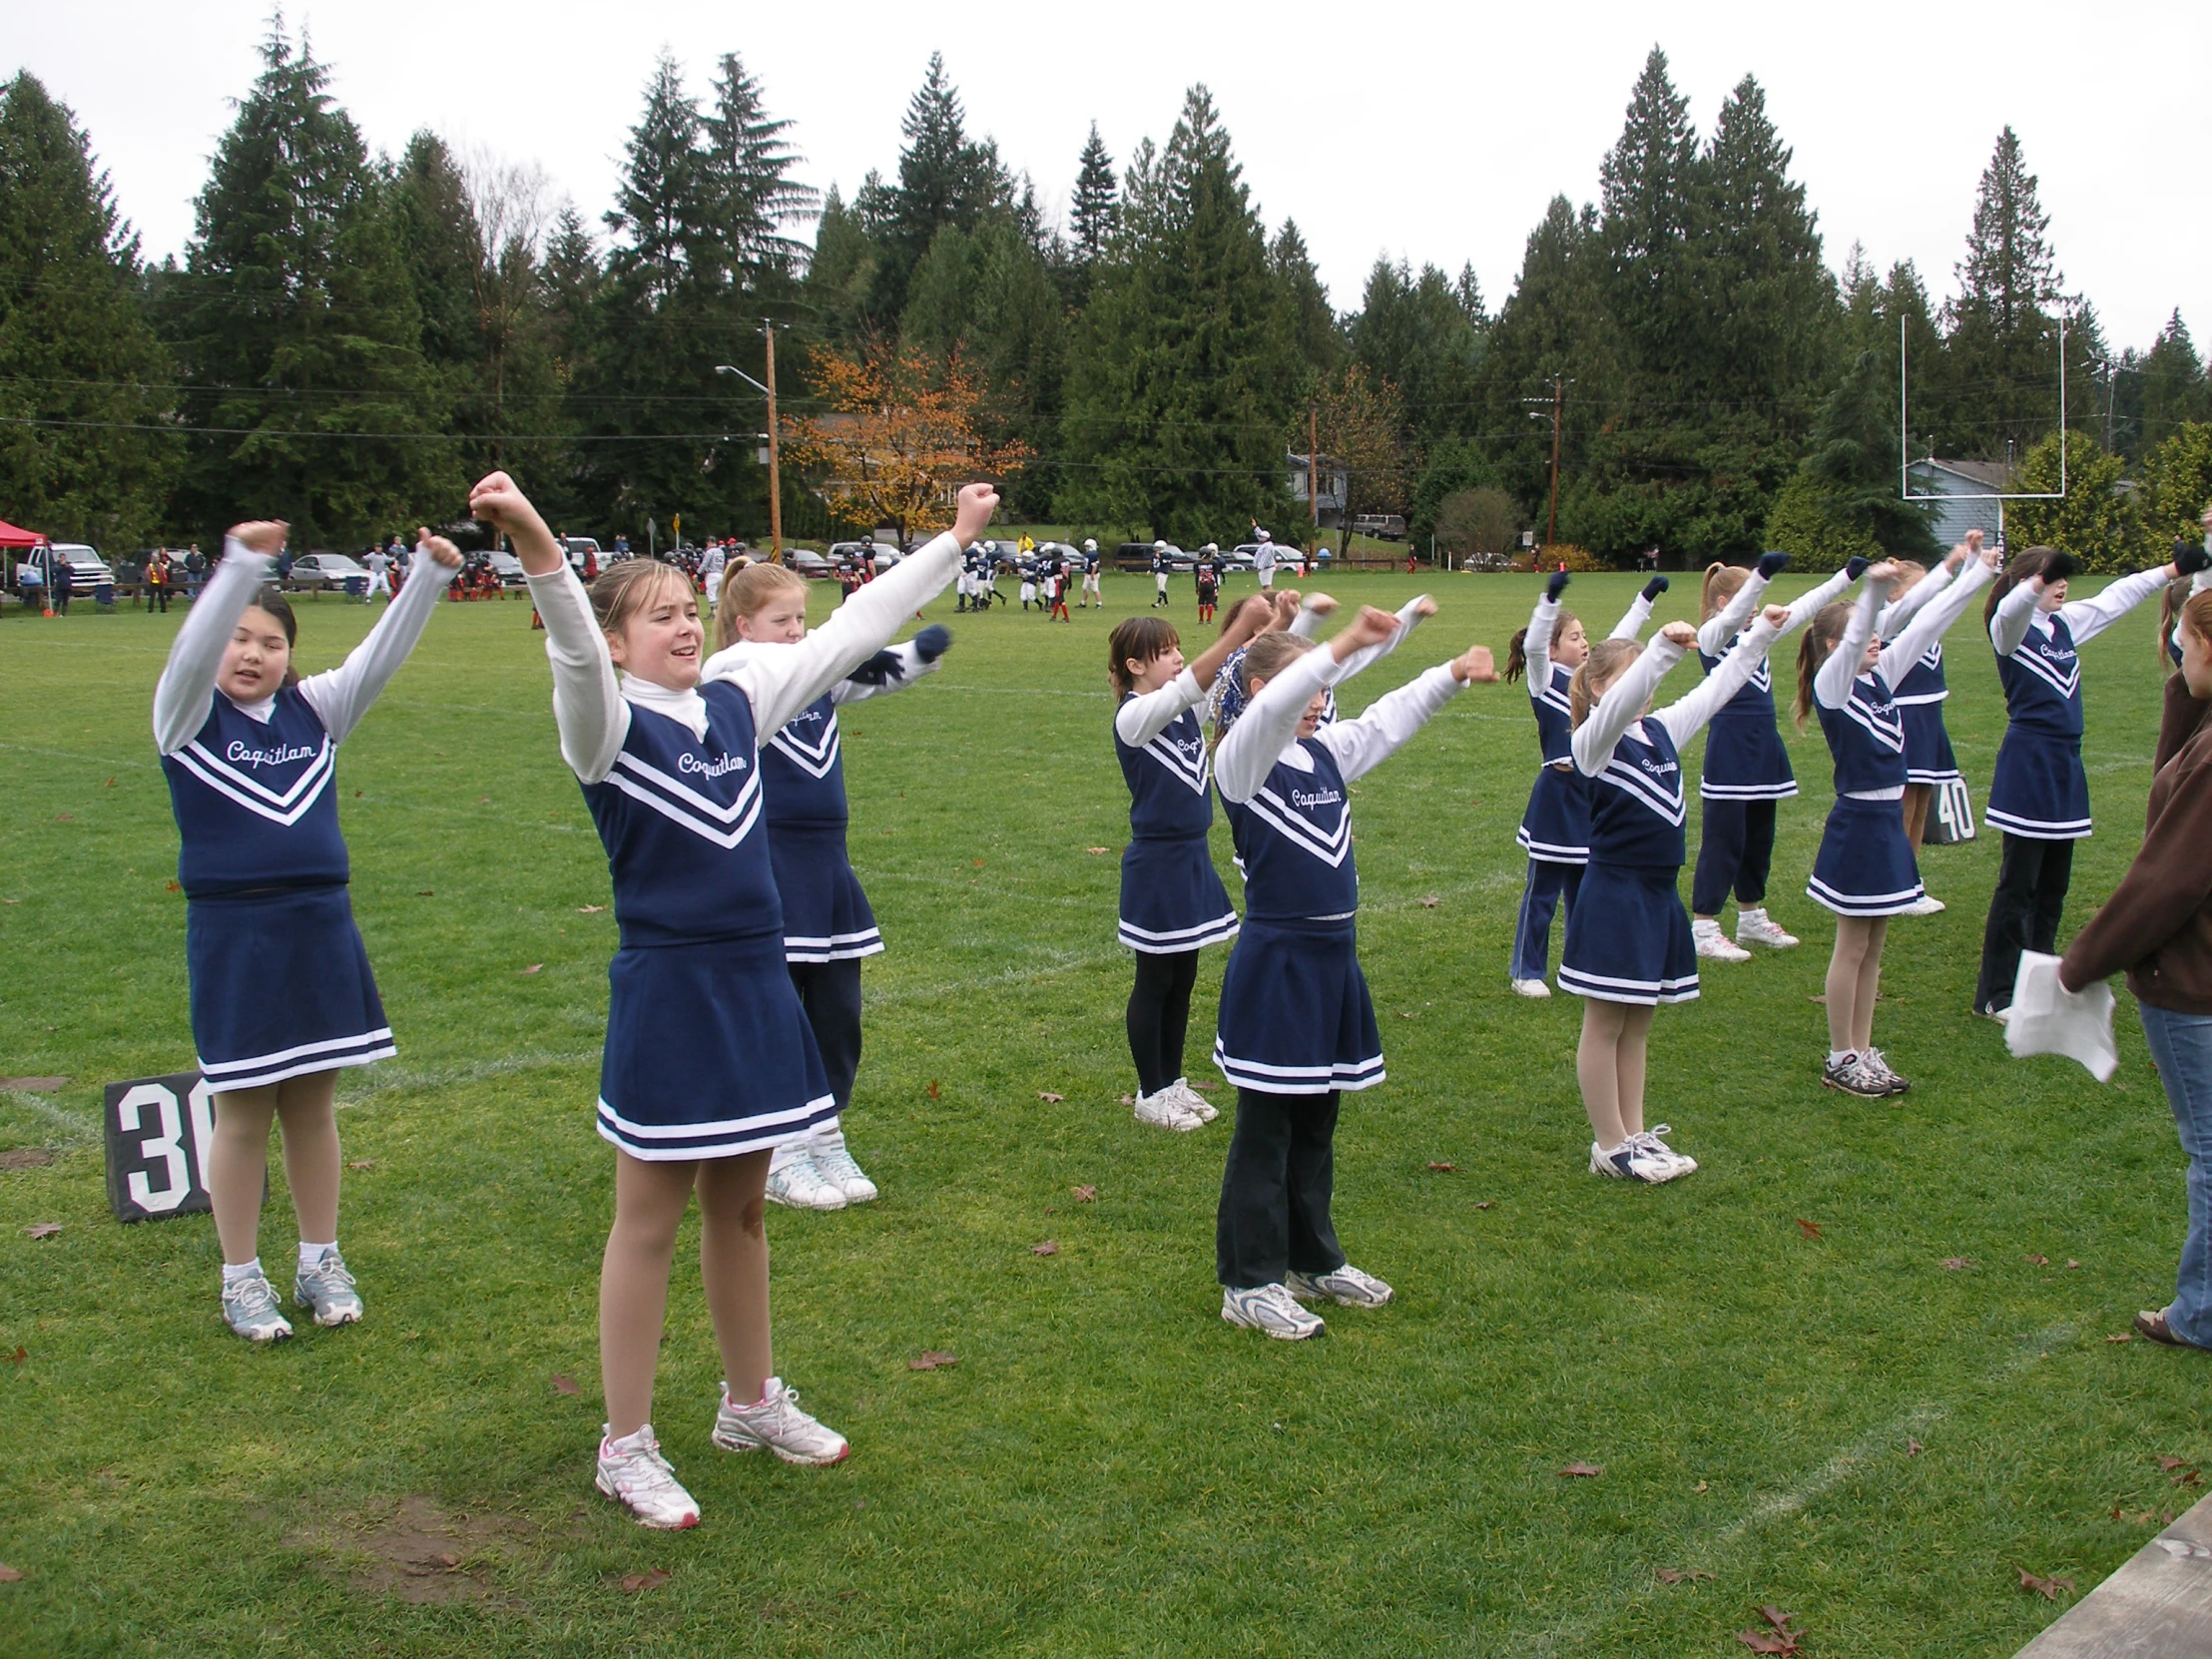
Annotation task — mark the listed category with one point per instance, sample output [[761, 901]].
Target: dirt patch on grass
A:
[[415, 1550], [25, 1157]]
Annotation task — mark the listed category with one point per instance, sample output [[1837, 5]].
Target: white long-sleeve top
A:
[[1890, 620], [1307, 625], [1144, 717], [1723, 626], [1622, 705], [339, 696], [1268, 731], [2086, 619], [912, 667], [591, 702], [1832, 682], [1544, 621]]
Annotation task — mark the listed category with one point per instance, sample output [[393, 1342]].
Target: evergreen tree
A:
[[2095, 522], [445, 249], [2174, 390], [1419, 336], [1314, 337], [81, 374], [2177, 480], [1649, 197], [944, 178], [1092, 213], [1852, 466], [296, 324], [660, 210], [841, 269], [2003, 336], [745, 167]]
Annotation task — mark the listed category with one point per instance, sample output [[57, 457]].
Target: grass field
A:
[[1108, 1469]]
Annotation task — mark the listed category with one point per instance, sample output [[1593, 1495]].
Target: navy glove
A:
[[1855, 566], [1770, 564], [880, 670], [2061, 567], [1653, 589], [1556, 585], [2192, 559], [933, 642]]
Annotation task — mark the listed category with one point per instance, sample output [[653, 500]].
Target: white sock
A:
[[1757, 914], [1705, 924], [1839, 1056], [827, 1137], [790, 1153], [638, 1440], [233, 1272], [311, 1255]]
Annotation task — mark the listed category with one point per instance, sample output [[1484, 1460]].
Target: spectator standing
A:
[[59, 579], [196, 572], [30, 582]]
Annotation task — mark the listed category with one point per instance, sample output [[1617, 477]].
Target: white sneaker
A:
[[1162, 1111], [802, 1186], [249, 1309], [1874, 1061], [327, 1288], [1181, 1092], [777, 1423], [1852, 1075], [1633, 1160], [1347, 1285], [1713, 944], [1757, 927], [835, 1166], [633, 1473], [1270, 1308], [1531, 987], [1649, 1140], [1928, 905]]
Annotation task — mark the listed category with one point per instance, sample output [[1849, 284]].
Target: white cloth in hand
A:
[[2047, 1018]]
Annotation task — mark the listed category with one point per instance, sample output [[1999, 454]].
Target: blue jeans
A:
[[2181, 1044], [1547, 885]]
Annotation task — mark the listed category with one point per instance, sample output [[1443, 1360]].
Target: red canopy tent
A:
[[10, 536]]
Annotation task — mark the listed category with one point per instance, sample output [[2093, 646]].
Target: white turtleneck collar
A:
[[685, 707]]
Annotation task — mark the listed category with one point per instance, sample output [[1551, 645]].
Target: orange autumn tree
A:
[[900, 438]]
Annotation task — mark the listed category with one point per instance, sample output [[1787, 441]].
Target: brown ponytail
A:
[[1516, 649], [1818, 645], [1722, 582], [2026, 567]]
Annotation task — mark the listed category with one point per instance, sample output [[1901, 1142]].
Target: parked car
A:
[[328, 570], [580, 546], [509, 568], [851, 552], [1382, 526], [1137, 555], [87, 570], [807, 562], [887, 556], [1244, 556]]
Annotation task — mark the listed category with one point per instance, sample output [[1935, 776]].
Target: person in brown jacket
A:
[[2157, 930]]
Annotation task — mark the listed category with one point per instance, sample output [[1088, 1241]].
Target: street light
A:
[[775, 457]]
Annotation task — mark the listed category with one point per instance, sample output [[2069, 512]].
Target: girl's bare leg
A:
[[1844, 968], [237, 1166], [1917, 798], [733, 1266], [1628, 1067], [308, 1111], [1870, 983], [650, 1201], [1597, 1069]]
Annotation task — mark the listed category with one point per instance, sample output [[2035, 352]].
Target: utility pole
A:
[[1559, 402], [1313, 468], [774, 456]]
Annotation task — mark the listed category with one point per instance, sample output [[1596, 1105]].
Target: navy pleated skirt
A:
[[1745, 760], [1628, 939], [1295, 1016], [281, 987], [1556, 827], [1928, 756], [1864, 866], [709, 1053], [1171, 899], [2038, 789], [827, 918]]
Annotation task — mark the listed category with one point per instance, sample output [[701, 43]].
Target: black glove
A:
[[1653, 589], [933, 642], [2061, 567], [2192, 559], [880, 670], [1770, 564], [1556, 585], [1855, 566]]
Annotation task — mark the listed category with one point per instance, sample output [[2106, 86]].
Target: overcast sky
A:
[[1436, 132]]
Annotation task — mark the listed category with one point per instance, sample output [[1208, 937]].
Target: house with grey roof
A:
[[1952, 485]]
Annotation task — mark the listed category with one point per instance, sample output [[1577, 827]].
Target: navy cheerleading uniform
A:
[[281, 982], [1297, 1028], [1629, 939], [1922, 690], [1171, 899], [2038, 792], [709, 1053]]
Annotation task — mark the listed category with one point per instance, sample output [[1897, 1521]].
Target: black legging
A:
[[1735, 850], [2033, 877], [830, 994], [1275, 1190], [1159, 1016]]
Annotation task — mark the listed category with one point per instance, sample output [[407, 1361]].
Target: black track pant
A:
[[2033, 877], [1735, 850], [830, 994], [1275, 1192], [1160, 1016]]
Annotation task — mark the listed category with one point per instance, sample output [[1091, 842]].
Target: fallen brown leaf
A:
[[1809, 1229], [1405, 1014], [64, 817], [110, 784], [1699, 1487], [1778, 1637], [931, 1360], [1049, 1098], [1095, 851], [1431, 901], [1084, 1195], [2188, 1477], [20, 1354], [42, 1229], [1050, 1247], [10, 1575], [932, 1091], [1913, 1447], [2071, 1263], [174, 887], [650, 1581], [483, 800], [589, 910], [1486, 1203], [979, 864], [1445, 1169], [564, 1385], [535, 967], [362, 1163], [1582, 1472], [2036, 1261], [2048, 1588], [1955, 1264], [2124, 1336], [1682, 1575], [1129, 1100], [425, 892], [2169, 1465]]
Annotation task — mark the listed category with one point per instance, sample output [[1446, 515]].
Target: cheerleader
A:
[[709, 1061], [2039, 794], [1296, 1029], [1866, 872], [828, 925], [1555, 829], [1172, 903], [1628, 946], [1921, 693], [1747, 769], [281, 992]]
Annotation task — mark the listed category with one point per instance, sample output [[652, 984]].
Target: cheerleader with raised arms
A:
[[1922, 691], [1866, 870], [709, 1061], [1628, 946], [2039, 792], [829, 927], [281, 992], [1297, 1028]]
